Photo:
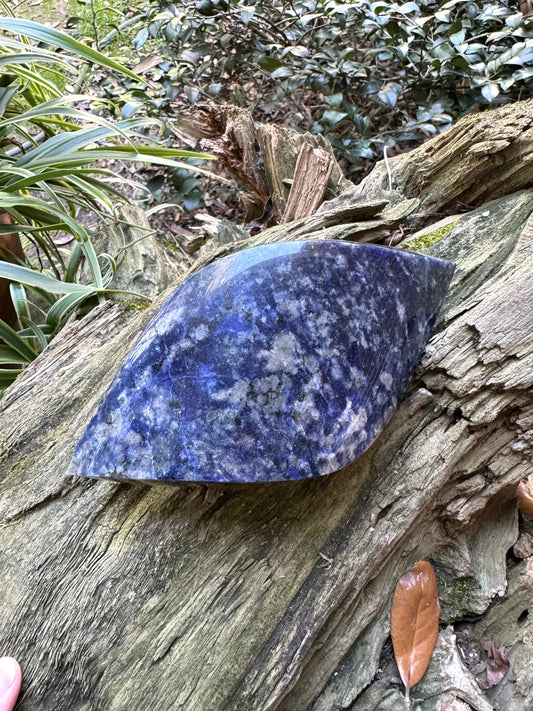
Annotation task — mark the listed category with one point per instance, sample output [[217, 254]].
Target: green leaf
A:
[[43, 212], [460, 61], [332, 117], [7, 377], [62, 309], [490, 91], [30, 277], [11, 338], [458, 37], [6, 94], [506, 84], [335, 100], [140, 38], [269, 63], [8, 355], [28, 28], [35, 330], [389, 93], [409, 7], [282, 73], [28, 57], [514, 20], [522, 74], [247, 12], [20, 302]]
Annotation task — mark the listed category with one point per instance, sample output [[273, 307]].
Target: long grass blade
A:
[[30, 277], [8, 377], [20, 301], [62, 309], [9, 60], [144, 155], [8, 355], [28, 28], [18, 344], [42, 212], [36, 331]]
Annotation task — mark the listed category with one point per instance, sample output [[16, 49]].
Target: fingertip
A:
[[10, 680]]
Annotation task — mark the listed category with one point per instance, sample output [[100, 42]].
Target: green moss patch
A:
[[428, 239]]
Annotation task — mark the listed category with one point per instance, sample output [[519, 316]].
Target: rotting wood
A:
[[274, 597], [229, 133]]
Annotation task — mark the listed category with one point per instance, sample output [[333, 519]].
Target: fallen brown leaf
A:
[[415, 622], [497, 664], [10, 251], [147, 63], [525, 496]]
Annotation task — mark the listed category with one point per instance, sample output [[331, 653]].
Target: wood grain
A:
[[269, 597]]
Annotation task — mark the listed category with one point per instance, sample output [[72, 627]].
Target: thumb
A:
[[10, 678]]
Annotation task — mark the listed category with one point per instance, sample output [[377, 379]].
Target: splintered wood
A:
[[297, 171], [311, 178]]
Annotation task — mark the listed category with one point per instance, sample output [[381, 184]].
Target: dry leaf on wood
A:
[[525, 496], [415, 622], [497, 664]]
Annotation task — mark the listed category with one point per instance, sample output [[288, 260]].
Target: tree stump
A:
[[269, 597]]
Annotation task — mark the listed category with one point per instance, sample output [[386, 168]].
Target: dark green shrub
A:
[[365, 74]]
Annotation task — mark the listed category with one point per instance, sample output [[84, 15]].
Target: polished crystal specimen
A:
[[279, 362]]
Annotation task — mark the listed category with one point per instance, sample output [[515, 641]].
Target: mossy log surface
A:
[[276, 597]]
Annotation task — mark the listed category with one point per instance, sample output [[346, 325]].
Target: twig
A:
[[108, 39], [388, 166]]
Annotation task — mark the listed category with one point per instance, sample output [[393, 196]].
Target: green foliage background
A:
[[365, 74]]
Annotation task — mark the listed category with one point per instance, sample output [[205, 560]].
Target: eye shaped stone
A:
[[275, 363]]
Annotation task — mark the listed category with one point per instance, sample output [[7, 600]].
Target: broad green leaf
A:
[[247, 12], [282, 73], [332, 117], [269, 63], [389, 93], [514, 20], [335, 100], [490, 91]]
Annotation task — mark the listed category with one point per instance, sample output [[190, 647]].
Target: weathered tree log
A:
[[276, 597]]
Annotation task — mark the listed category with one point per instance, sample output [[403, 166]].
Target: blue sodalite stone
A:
[[279, 362]]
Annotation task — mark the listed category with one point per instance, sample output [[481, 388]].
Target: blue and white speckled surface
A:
[[279, 362]]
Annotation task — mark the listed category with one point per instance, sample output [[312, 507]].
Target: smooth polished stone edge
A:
[[228, 270]]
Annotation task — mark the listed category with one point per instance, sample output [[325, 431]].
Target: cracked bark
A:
[[276, 597]]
